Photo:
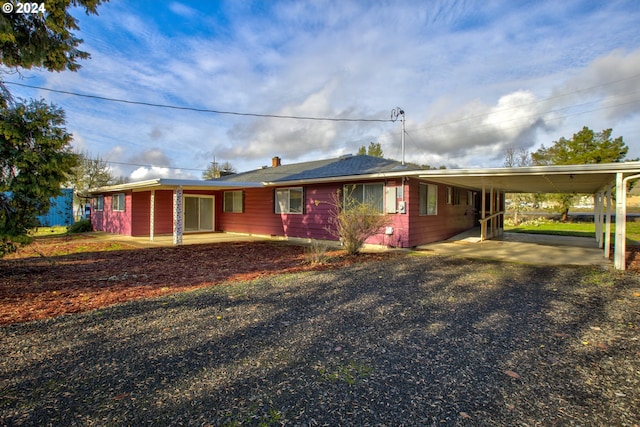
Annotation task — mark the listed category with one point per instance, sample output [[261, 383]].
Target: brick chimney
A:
[[275, 162]]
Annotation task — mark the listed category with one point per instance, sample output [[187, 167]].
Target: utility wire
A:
[[150, 166], [200, 110]]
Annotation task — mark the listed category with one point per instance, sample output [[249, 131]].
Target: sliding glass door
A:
[[198, 213]]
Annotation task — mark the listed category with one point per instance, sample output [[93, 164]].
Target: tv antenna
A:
[[394, 116]]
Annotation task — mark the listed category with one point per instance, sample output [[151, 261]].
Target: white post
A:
[[607, 233], [492, 210], [483, 214], [402, 139], [597, 217], [152, 215], [621, 223], [177, 216]]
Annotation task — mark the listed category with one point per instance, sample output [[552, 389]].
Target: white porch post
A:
[[621, 223], [492, 210], [177, 216], [152, 215], [483, 214], [500, 207], [597, 217], [607, 232]]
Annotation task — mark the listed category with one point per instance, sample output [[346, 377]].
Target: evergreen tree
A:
[[585, 147], [375, 150], [35, 159]]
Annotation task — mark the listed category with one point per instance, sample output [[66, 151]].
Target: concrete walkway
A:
[[524, 248], [187, 239]]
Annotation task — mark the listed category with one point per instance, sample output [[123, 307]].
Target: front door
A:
[[198, 213]]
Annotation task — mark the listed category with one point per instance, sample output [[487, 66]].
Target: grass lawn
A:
[[50, 231], [580, 229]]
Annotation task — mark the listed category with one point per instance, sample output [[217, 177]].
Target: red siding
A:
[[163, 219], [450, 220], [113, 222], [259, 217], [140, 213]]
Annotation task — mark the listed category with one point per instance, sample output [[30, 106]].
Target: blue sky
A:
[[474, 78]]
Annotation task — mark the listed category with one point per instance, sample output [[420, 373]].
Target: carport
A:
[[598, 180]]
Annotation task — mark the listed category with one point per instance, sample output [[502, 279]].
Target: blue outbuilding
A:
[[60, 211]]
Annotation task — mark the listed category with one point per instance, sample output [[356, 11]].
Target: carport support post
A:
[[177, 216], [621, 223], [607, 233], [152, 214], [483, 214], [597, 216]]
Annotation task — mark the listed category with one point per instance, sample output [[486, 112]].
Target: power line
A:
[[150, 166], [199, 110]]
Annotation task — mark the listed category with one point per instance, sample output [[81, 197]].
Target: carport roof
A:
[[584, 179]]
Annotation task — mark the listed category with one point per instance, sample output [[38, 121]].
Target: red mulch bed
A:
[[55, 276], [633, 258]]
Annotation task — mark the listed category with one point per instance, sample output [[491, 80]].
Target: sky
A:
[[474, 79]]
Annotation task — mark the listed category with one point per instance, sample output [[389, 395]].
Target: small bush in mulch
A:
[[82, 226]]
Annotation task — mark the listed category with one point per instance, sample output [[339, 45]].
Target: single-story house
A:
[[291, 201], [295, 200]]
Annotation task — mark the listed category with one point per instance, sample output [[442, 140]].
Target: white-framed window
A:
[[428, 199], [118, 202], [453, 196], [470, 198], [233, 202], [371, 194], [98, 203], [289, 200]]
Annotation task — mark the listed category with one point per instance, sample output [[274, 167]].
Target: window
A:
[[453, 196], [98, 203], [233, 202], [118, 202], [289, 200], [470, 198], [428, 199], [371, 194]]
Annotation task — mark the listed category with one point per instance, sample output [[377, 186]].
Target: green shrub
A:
[[82, 226]]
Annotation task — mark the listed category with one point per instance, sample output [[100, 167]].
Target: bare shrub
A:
[[316, 253], [353, 221]]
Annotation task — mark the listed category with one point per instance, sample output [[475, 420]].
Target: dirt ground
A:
[[61, 275]]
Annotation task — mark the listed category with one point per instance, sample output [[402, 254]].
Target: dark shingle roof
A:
[[328, 168]]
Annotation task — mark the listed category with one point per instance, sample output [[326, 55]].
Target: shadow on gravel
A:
[[411, 341]]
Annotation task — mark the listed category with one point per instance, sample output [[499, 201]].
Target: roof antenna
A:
[[394, 116]]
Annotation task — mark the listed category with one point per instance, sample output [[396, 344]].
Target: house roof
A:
[[580, 179], [329, 168]]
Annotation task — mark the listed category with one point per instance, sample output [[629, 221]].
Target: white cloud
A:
[[183, 10]]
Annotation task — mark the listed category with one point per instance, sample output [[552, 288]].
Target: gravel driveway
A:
[[414, 340]]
